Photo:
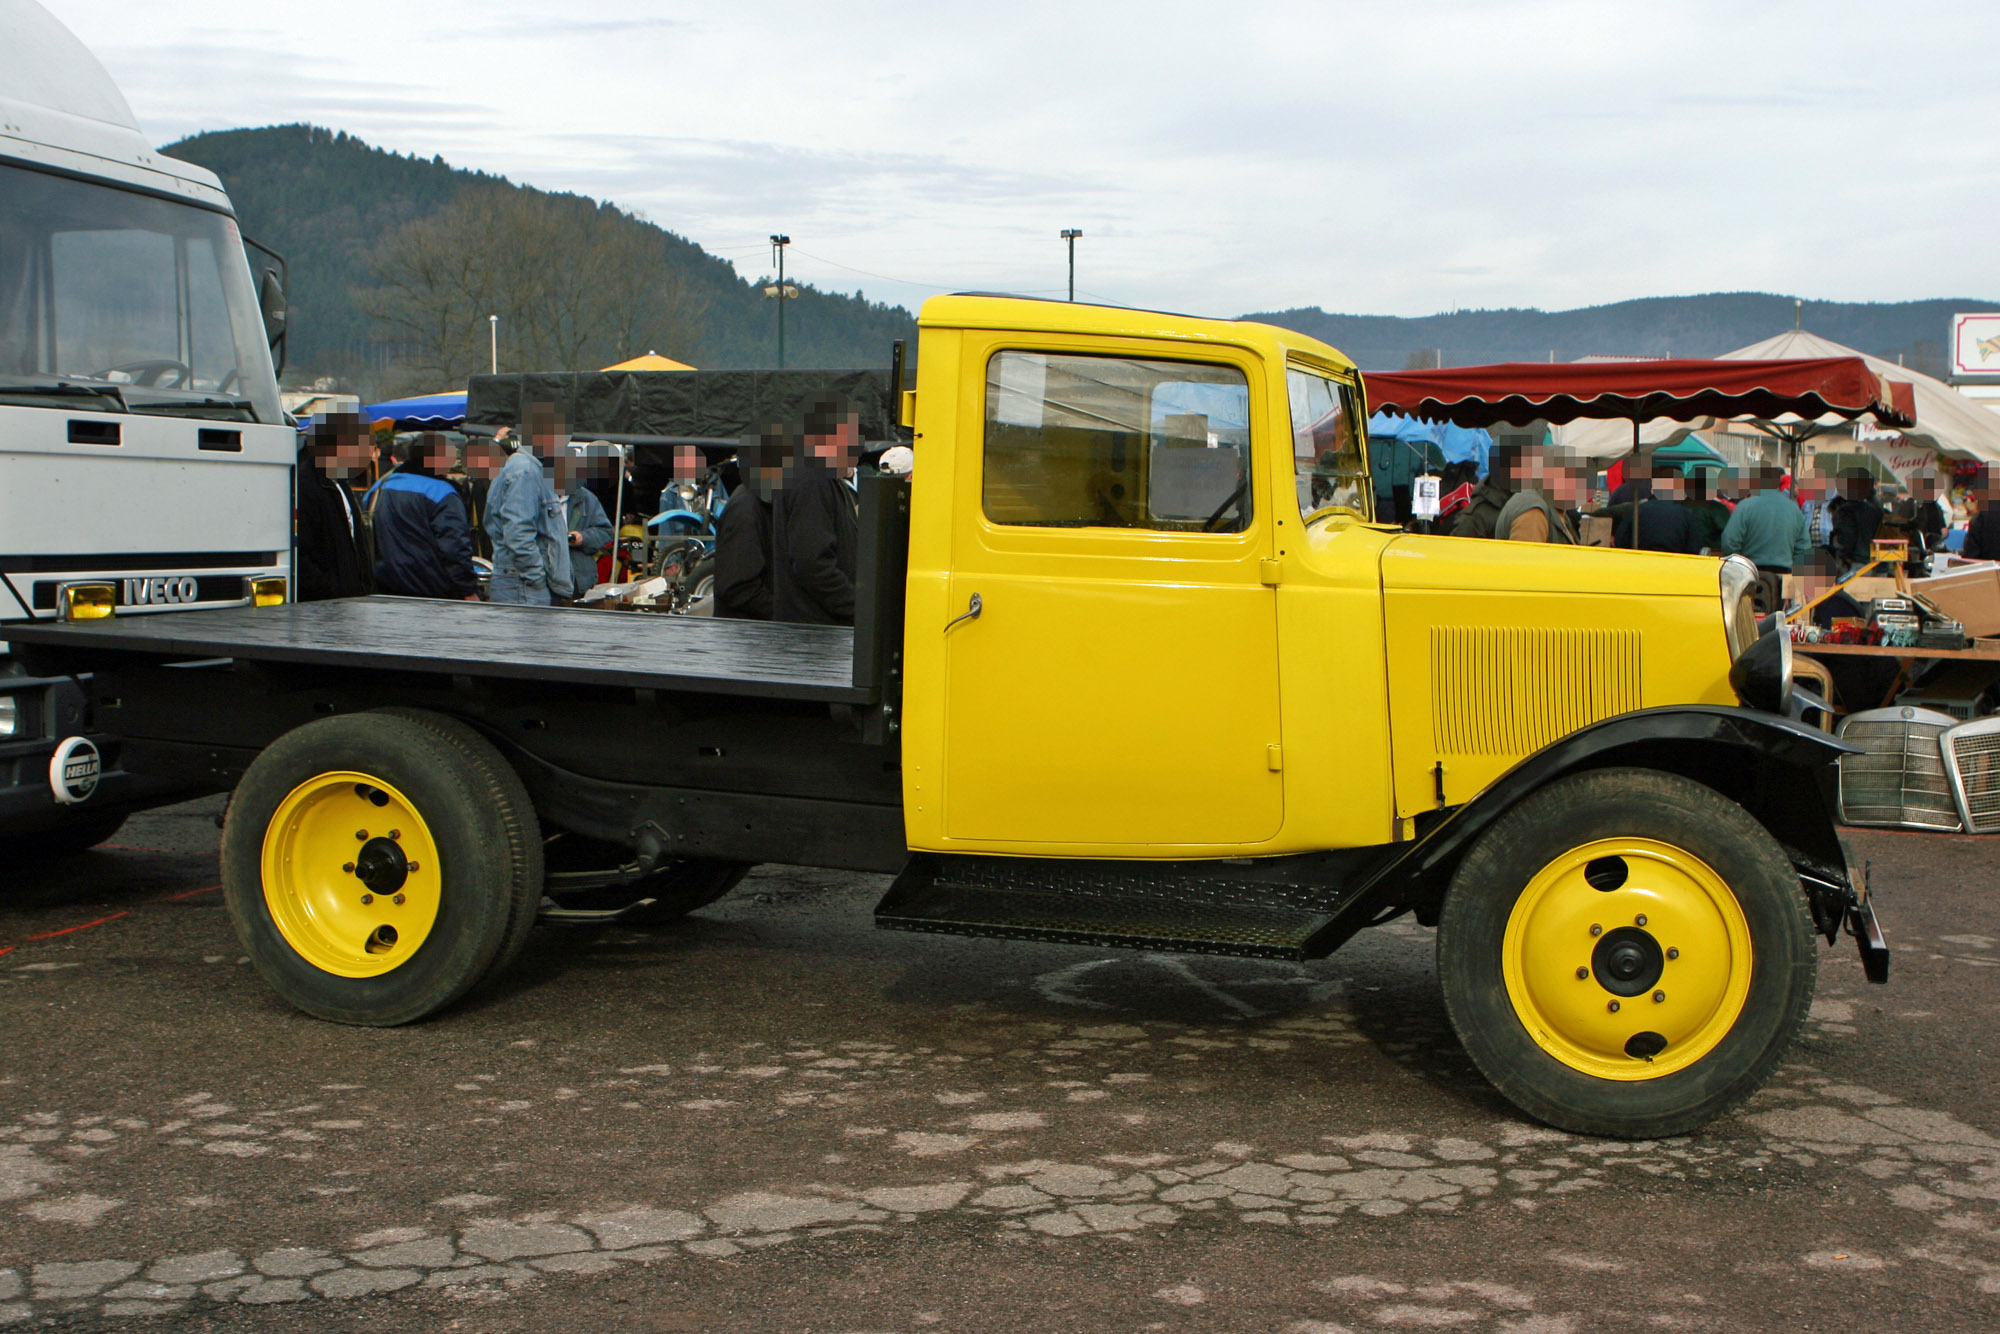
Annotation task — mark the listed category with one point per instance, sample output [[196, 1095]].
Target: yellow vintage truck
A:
[[1132, 666]]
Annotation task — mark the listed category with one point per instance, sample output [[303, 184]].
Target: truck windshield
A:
[[1327, 460], [143, 302]]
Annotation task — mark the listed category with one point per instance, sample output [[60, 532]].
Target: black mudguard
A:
[[1783, 772]]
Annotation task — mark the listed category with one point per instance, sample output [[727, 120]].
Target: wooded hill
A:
[[371, 236]]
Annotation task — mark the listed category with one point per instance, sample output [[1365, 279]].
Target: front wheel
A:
[[377, 866], [1626, 953]]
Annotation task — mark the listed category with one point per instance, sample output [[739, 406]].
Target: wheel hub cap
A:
[[382, 866], [1627, 962]]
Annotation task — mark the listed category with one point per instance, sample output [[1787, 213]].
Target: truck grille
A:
[[1972, 759], [1900, 779]]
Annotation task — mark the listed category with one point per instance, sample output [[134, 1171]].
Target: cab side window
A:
[[1116, 442]]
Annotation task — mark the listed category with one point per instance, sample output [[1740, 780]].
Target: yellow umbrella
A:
[[652, 361]]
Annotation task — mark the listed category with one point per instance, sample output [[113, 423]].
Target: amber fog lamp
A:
[[268, 591], [87, 602]]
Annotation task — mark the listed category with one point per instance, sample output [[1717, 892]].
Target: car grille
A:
[[1972, 759], [1899, 779]]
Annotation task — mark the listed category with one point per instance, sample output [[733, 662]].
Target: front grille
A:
[[1972, 759], [208, 588], [1900, 778]]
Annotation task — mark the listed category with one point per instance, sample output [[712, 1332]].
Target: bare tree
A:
[[576, 285]]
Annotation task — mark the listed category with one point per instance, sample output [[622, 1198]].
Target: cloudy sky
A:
[[1377, 156]]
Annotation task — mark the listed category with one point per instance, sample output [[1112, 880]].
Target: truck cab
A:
[[142, 446], [1191, 639]]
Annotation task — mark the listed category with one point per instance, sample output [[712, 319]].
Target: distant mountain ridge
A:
[[1914, 332], [325, 200]]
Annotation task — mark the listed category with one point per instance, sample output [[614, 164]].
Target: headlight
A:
[[1739, 606], [268, 591], [10, 715], [1762, 674]]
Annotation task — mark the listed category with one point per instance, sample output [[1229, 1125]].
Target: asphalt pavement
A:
[[773, 1117]]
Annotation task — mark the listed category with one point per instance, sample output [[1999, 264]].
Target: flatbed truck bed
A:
[[485, 640]]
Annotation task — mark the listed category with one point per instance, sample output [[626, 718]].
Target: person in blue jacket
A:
[[524, 518], [423, 540]]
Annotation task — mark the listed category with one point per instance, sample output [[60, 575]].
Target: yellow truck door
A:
[[1119, 684]]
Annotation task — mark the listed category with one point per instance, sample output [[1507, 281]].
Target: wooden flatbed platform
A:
[[563, 644]]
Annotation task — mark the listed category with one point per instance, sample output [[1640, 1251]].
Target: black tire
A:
[[463, 799], [75, 832], [1721, 1063], [524, 849], [701, 588], [677, 889]]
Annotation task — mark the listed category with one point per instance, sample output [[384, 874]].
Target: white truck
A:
[[141, 437]]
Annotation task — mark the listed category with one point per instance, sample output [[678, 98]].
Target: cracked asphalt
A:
[[773, 1117]]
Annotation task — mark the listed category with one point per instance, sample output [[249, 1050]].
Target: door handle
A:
[[971, 612]]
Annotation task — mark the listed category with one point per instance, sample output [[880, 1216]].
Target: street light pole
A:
[[1069, 234], [493, 340], [778, 244]]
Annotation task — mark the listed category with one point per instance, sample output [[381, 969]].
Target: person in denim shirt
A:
[[523, 519]]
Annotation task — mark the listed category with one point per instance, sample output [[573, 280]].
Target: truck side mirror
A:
[[271, 300]]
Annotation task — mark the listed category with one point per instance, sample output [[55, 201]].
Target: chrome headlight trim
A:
[[1737, 577]]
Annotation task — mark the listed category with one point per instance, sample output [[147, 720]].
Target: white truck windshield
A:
[[128, 299]]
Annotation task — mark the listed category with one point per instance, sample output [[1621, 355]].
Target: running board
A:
[[1146, 906]]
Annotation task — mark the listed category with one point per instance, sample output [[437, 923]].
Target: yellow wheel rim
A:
[[351, 874], [1627, 958]]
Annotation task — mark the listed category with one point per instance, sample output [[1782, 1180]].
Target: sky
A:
[[1398, 158]]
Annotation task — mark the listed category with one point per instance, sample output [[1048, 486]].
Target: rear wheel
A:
[[377, 866], [1626, 953]]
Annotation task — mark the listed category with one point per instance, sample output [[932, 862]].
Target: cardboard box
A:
[[1972, 597]]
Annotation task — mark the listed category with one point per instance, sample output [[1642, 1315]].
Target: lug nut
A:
[[1582, 973], [397, 833], [1674, 953], [367, 899], [1596, 930], [349, 868], [1641, 919], [361, 834], [413, 868], [1613, 1007], [1658, 996]]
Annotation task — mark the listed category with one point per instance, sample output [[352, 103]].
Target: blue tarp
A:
[[427, 410], [1429, 442]]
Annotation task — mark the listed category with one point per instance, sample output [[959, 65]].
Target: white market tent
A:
[[1946, 419]]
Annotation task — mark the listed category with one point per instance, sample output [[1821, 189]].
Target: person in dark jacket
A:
[[1982, 535], [423, 540], [1665, 524], [329, 536], [1856, 517], [815, 522], [1490, 497], [743, 565]]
